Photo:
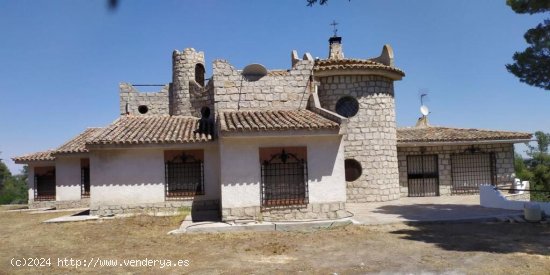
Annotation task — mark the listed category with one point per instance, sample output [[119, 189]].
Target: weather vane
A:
[[334, 24]]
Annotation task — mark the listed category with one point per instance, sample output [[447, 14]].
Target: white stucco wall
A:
[[126, 176], [67, 178], [489, 197], [137, 176], [30, 183], [30, 178], [240, 168], [212, 187]]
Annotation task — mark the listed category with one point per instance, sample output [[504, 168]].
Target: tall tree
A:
[[539, 164], [532, 66]]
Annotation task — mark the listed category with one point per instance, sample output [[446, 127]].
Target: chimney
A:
[[335, 50], [422, 122]]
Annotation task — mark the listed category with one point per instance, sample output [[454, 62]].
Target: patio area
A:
[[425, 209]]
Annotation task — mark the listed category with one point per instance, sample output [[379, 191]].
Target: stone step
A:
[[519, 219], [205, 215]]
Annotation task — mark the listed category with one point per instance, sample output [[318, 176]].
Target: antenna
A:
[[334, 24]]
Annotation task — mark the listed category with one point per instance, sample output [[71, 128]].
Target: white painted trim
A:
[[379, 72]]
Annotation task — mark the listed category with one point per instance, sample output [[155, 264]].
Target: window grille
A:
[[347, 106], [44, 187], [284, 181], [85, 182], [423, 175], [470, 170], [184, 177]]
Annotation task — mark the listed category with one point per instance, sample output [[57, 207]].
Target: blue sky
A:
[[61, 61]]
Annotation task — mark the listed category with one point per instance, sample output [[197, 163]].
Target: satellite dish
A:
[[424, 110], [254, 72]]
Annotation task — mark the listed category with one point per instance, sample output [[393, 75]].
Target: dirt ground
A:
[[499, 248]]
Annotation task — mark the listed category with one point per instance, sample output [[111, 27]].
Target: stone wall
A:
[[160, 208], [41, 204], [82, 203], [277, 90], [313, 211], [371, 133], [156, 102], [504, 154]]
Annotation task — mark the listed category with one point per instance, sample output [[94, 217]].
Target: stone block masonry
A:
[[82, 203], [504, 155], [167, 207], [371, 133], [187, 95], [282, 90], [131, 99], [313, 211]]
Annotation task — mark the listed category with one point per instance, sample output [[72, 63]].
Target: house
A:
[[266, 144]]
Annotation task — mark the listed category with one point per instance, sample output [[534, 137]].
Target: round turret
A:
[[362, 90]]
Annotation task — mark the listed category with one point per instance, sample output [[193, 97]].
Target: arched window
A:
[[199, 74]]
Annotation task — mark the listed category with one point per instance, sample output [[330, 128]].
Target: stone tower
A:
[[362, 90], [188, 91]]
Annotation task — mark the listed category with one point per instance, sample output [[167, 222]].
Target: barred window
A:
[[85, 178], [284, 179], [184, 174], [469, 170], [44, 183]]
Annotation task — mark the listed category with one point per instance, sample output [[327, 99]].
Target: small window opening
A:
[[143, 109], [347, 106], [353, 169], [199, 74]]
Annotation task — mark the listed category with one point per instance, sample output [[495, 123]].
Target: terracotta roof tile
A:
[[352, 64], [273, 120], [38, 156], [152, 130], [78, 144], [445, 134]]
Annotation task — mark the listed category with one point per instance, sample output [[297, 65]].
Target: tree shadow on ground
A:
[[482, 237], [492, 237]]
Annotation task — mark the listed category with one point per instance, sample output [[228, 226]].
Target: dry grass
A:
[[469, 248]]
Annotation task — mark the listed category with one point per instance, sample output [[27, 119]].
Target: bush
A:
[[13, 191]]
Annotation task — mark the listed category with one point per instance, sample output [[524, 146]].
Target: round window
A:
[[347, 106], [143, 109], [353, 169]]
